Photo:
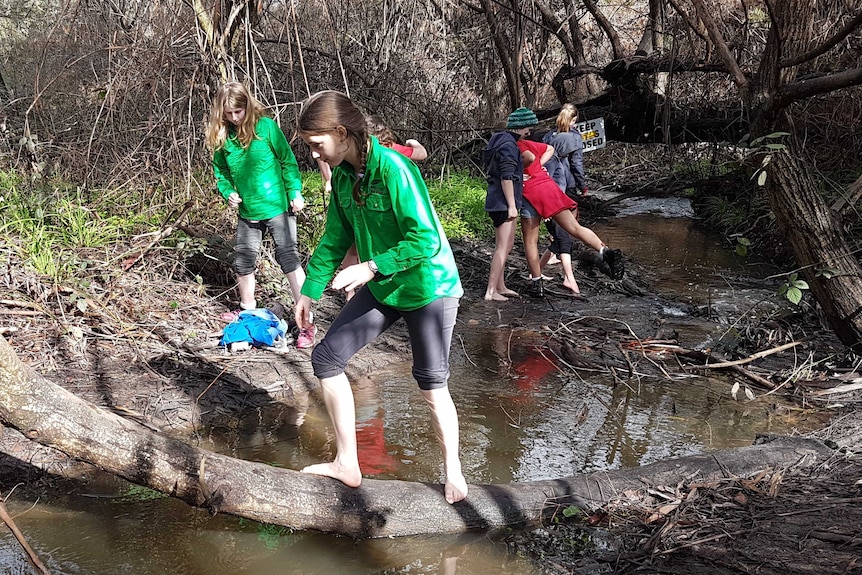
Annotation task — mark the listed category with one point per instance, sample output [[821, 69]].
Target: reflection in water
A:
[[85, 535], [688, 264], [522, 419]]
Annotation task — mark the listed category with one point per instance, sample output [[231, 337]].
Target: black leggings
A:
[[363, 318]]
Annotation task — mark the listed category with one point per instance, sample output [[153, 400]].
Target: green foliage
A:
[[764, 147], [792, 288], [572, 511], [758, 17], [460, 203], [47, 224], [270, 535], [723, 214], [742, 245], [826, 273], [458, 198], [136, 494]]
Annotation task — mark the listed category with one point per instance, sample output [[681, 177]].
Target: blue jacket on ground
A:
[[256, 326]]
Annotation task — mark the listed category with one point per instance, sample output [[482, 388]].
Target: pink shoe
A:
[[230, 316], [306, 337]]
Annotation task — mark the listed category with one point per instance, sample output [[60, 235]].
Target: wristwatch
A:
[[373, 267]]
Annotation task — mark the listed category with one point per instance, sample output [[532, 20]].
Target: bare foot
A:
[[574, 287], [455, 488], [508, 292], [351, 477], [495, 297]]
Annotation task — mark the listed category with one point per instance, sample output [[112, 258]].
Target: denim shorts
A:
[[527, 210]]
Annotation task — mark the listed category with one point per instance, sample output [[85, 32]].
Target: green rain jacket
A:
[[266, 175], [397, 227]]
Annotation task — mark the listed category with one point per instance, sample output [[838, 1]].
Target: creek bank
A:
[[155, 364]]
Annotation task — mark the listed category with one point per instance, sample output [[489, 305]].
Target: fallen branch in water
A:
[[750, 358], [34, 559]]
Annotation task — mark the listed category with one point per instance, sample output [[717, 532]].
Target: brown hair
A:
[[232, 95], [323, 112], [564, 119], [377, 127]]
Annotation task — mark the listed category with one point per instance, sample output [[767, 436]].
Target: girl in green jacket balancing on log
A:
[[257, 173], [406, 270]]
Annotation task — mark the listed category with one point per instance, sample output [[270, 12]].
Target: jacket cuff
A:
[[313, 289], [386, 264]]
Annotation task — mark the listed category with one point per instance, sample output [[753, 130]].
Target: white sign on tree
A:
[[593, 133]]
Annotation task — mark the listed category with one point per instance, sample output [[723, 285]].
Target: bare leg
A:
[[530, 231], [568, 273], [296, 278], [338, 398], [546, 259], [566, 219], [444, 419], [505, 240], [246, 291]]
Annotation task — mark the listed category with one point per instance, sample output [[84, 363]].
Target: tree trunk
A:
[[817, 238], [52, 416], [814, 231]]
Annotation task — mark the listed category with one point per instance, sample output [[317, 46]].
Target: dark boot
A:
[[614, 261], [536, 288]]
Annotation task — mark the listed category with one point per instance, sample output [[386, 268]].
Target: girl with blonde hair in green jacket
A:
[[257, 174]]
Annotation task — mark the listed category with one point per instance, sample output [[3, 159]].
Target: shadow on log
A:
[[52, 416]]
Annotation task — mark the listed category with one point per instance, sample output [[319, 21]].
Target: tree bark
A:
[[816, 236], [814, 231], [52, 416]]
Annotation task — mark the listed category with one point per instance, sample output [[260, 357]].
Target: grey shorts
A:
[[249, 237], [363, 318]]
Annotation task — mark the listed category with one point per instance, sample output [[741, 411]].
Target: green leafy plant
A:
[[826, 273], [572, 511], [792, 289], [136, 494], [764, 145], [459, 200], [270, 535], [742, 245]]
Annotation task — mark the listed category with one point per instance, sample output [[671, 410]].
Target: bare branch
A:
[[606, 25], [802, 89], [723, 51], [826, 46]]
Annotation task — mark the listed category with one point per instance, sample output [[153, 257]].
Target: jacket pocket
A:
[[377, 202], [378, 212]]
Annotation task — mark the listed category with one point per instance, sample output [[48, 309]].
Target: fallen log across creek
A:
[[48, 414]]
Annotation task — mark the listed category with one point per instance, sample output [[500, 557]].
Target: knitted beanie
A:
[[521, 118]]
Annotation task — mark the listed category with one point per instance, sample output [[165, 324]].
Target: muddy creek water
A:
[[522, 419]]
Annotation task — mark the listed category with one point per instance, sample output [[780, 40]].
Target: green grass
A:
[[460, 203], [459, 200], [47, 223], [53, 226]]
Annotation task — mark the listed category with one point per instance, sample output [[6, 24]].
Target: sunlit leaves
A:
[[792, 289]]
